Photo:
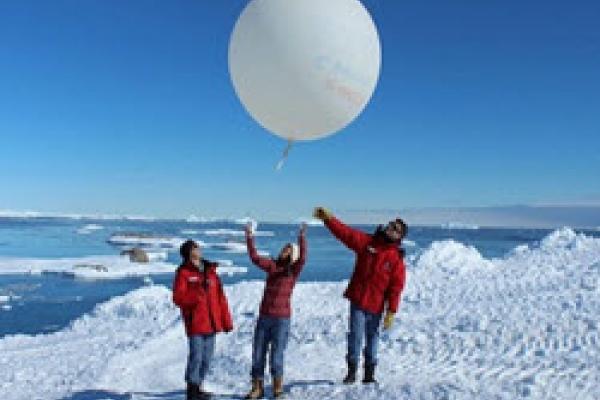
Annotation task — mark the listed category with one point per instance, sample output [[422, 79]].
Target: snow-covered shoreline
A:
[[524, 326], [98, 267]]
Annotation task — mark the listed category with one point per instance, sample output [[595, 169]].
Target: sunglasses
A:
[[396, 227]]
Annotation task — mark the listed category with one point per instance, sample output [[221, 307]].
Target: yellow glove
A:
[[322, 213], [388, 321]]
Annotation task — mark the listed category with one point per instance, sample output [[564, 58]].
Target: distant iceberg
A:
[[193, 219], [309, 221], [97, 268], [234, 232], [246, 221], [155, 254], [459, 225], [144, 240], [19, 214], [189, 232], [91, 267], [92, 217], [90, 228]]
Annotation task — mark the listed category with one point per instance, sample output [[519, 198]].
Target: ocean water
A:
[[46, 302]]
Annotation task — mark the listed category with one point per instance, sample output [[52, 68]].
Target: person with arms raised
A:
[[273, 325], [376, 285]]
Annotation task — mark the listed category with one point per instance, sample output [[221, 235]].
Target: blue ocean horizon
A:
[[48, 302]]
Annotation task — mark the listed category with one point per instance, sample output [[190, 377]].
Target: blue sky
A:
[[126, 107]]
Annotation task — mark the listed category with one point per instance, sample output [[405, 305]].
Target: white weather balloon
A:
[[304, 69]]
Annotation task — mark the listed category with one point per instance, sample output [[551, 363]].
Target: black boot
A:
[[351, 377], [192, 392], [369, 374], [204, 395]]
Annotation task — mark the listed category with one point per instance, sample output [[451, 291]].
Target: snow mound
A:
[[52, 366], [451, 256], [563, 238]]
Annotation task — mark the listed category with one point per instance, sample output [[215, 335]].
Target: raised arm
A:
[[266, 264], [183, 296], [298, 265], [353, 238]]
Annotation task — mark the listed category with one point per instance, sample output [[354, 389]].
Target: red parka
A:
[[200, 296], [281, 279], [379, 274]]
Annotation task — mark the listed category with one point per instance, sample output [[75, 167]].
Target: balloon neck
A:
[[285, 154]]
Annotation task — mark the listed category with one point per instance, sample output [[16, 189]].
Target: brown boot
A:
[[277, 387], [257, 391]]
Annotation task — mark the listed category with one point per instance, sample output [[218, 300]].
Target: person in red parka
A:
[[198, 292], [273, 325], [376, 285]]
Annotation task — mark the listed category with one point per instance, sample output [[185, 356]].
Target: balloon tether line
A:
[[285, 154]]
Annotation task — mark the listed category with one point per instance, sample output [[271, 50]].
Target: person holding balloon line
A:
[[377, 282], [273, 325]]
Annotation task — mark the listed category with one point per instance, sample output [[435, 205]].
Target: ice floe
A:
[[459, 225], [98, 267], [145, 240], [90, 228], [234, 232]]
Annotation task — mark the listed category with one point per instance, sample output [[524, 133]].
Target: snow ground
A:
[[521, 327]]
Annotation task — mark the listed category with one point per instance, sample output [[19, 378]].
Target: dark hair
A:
[[186, 249], [404, 227]]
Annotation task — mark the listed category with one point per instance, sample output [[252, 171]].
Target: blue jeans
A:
[[363, 323], [202, 348], [273, 332]]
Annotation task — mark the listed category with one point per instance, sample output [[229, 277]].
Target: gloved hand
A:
[[388, 321], [322, 213]]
